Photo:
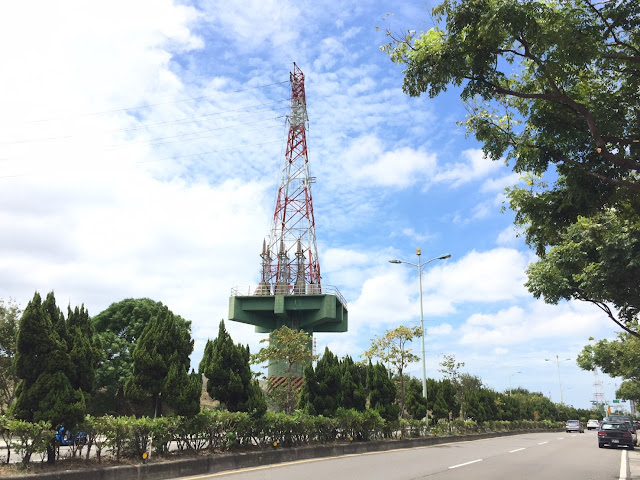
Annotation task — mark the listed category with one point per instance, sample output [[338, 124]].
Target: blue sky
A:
[[140, 150]]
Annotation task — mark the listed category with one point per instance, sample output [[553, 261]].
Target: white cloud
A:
[[369, 163], [253, 23], [509, 237], [476, 167], [517, 325], [490, 276]]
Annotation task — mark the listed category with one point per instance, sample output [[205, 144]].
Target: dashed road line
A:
[[516, 450], [466, 463]]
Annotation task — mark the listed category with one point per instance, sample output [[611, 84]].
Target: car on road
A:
[[574, 426], [593, 424], [615, 434], [629, 421]]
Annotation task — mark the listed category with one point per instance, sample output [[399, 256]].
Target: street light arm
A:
[[443, 257]]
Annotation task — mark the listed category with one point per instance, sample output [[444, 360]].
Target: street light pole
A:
[[511, 375], [420, 266], [559, 381]]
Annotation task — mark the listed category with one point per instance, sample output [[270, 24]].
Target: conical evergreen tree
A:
[[309, 391], [227, 368], [163, 345], [415, 403], [322, 389], [382, 393], [353, 392], [46, 391]]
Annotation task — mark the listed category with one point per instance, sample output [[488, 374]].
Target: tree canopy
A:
[[290, 348], [117, 330], [617, 358], [392, 349], [227, 368], [52, 386], [552, 87], [9, 317], [161, 366]]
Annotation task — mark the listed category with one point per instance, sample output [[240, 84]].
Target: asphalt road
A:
[[532, 456]]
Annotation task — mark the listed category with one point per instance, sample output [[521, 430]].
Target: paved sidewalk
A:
[[634, 463]]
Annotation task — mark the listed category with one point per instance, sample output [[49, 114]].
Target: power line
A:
[[189, 99]]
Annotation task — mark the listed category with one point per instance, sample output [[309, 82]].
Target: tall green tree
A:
[[442, 401], [353, 392], [9, 318], [617, 358], [392, 348], [416, 404], [227, 368], [161, 363], [47, 373], [552, 88], [382, 392], [320, 393], [117, 330], [596, 261], [290, 347], [451, 369]]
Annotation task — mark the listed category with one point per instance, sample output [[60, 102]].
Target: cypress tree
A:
[[309, 391], [46, 391], [164, 346], [229, 378], [382, 393], [321, 392], [415, 403], [352, 393]]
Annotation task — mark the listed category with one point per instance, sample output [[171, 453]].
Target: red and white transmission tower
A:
[[598, 390], [290, 256]]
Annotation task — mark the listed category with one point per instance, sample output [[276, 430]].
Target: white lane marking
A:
[[560, 438], [542, 443], [463, 464], [624, 464], [516, 450]]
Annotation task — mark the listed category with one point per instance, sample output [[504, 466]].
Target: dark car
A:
[[614, 434], [628, 420]]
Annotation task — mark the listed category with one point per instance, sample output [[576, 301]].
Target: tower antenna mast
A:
[[290, 254]]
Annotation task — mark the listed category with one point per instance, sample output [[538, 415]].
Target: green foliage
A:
[[552, 87], [320, 393], [31, 438], [353, 393], [595, 260], [9, 318], [617, 358], [392, 349], [117, 330], [416, 404], [382, 393], [161, 366], [220, 430], [229, 377], [50, 371], [291, 348], [451, 370]]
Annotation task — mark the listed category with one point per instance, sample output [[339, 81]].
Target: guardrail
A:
[[240, 291]]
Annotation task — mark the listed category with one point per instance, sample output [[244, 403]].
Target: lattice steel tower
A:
[[290, 291]]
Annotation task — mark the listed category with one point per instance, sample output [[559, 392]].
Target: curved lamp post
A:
[[420, 266]]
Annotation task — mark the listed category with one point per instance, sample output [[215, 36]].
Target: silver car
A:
[[574, 426]]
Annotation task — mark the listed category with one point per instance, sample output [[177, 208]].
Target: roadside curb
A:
[[233, 461]]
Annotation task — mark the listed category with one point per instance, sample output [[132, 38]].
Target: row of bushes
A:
[[221, 430]]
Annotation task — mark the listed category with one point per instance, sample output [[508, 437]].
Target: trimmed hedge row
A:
[[221, 430]]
